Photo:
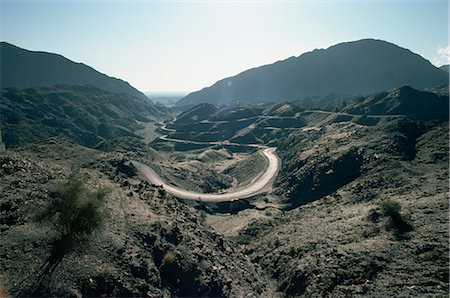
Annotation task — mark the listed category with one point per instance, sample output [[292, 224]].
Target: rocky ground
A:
[[149, 245], [349, 240], [366, 214]]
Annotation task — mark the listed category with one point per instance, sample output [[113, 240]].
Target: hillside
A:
[[84, 114], [21, 68], [360, 67], [196, 114], [373, 220], [246, 125], [150, 244], [355, 210], [445, 67], [401, 101], [283, 109]]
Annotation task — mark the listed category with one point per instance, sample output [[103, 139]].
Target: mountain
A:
[[197, 113], [84, 114], [21, 68], [445, 67], [400, 101], [360, 67]]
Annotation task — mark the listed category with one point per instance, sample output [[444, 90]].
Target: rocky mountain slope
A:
[[373, 215], [365, 196], [360, 67], [265, 125], [365, 214], [85, 114], [401, 101], [24, 69], [149, 245]]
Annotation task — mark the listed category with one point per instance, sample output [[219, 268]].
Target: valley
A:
[[261, 181], [277, 191]]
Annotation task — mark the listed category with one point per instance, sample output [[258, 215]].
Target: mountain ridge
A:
[[358, 67], [22, 68]]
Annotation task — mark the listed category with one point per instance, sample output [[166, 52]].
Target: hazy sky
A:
[[185, 46]]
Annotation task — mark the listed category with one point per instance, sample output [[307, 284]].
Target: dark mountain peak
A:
[[401, 101], [445, 68], [22, 68], [365, 42], [359, 67], [404, 91]]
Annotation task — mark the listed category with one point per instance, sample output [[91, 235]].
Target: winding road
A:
[[247, 191], [243, 192]]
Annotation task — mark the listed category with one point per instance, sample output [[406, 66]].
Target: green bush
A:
[[390, 208], [396, 221], [73, 210], [374, 215], [203, 216]]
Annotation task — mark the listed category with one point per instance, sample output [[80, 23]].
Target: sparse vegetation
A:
[[374, 215], [73, 210], [154, 245], [390, 208], [203, 215], [396, 220]]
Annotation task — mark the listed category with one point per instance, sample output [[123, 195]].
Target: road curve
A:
[[241, 193]]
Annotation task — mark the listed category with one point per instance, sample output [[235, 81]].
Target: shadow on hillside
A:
[[33, 285]]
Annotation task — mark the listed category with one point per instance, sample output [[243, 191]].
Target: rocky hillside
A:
[[196, 114], [150, 244], [267, 124], [360, 67], [24, 69], [84, 114], [401, 101], [372, 217], [362, 211], [359, 206]]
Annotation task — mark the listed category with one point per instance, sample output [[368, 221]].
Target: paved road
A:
[[251, 189], [241, 193]]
